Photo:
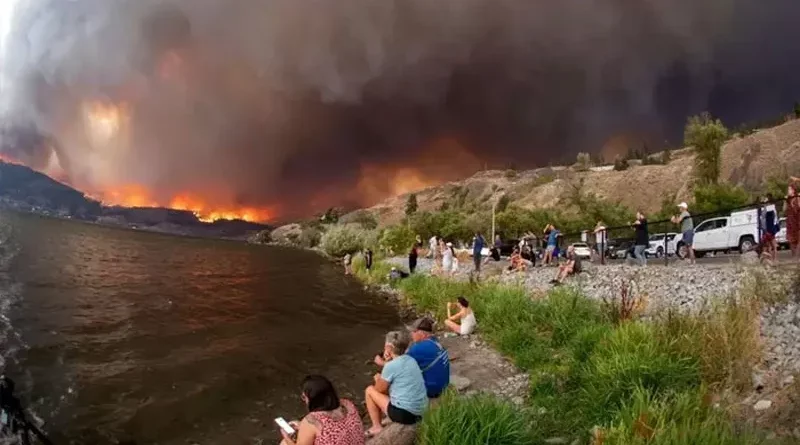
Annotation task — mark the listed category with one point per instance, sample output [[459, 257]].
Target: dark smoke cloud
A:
[[281, 100]]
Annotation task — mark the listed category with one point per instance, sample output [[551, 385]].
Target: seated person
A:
[[399, 390], [330, 420], [397, 274], [571, 267], [431, 356], [517, 263], [464, 314], [495, 253]]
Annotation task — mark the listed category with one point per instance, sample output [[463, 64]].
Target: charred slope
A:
[[25, 189]]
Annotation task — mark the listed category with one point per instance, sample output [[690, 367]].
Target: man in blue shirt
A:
[[430, 355], [477, 249]]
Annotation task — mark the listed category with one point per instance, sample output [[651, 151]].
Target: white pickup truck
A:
[[736, 232]]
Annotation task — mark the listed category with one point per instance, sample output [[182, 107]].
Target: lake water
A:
[[116, 336]]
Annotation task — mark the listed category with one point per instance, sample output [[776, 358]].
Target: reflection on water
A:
[[117, 335]]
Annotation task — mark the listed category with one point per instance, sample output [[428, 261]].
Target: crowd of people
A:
[[414, 371]]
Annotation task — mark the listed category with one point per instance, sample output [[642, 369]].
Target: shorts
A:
[[551, 248], [688, 237], [401, 416], [767, 237]]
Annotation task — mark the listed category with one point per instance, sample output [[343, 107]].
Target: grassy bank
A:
[[596, 376]]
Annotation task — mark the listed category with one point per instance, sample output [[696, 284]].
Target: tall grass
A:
[[588, 368], [474, 420]]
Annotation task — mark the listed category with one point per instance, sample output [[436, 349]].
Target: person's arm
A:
[[306, 433], [381, 384]]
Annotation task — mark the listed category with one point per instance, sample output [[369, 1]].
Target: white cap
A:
[[449, 244], [683, 205]]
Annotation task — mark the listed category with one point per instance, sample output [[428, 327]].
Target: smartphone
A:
[[285, 426]]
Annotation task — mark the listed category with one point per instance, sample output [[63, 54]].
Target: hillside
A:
[[747, 161]]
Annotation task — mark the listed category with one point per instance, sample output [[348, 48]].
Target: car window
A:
[[708, 225], [720, 223], [671, 238]]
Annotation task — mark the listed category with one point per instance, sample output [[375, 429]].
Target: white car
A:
[[736, 232], [656, 247], [582, 251]]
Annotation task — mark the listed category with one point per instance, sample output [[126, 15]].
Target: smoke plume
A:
[[294, 102]]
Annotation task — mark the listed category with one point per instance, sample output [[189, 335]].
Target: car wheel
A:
[[660, 253], [682, 251], [746, 244]]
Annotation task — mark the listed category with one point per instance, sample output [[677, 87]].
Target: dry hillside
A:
[[747, 161]]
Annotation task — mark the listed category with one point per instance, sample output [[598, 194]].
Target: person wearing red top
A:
[[330, 420]]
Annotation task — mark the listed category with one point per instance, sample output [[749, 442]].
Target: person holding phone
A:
[[330, 420]]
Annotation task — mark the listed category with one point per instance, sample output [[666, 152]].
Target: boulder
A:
[[395, 434]]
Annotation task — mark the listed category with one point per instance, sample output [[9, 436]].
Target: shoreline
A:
[[696, 293]]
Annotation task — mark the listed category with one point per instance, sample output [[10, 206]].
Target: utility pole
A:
[[494, 207]]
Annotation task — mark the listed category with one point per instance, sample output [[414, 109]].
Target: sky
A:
[[304, 104]]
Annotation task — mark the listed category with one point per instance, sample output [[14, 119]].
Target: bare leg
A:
[[453, 326], [377, 405]]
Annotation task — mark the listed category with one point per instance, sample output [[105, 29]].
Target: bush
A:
[[706, 135], [477, 420], [365, 218], [511, 174], [621, 164], [397, 239], [583, 162], [411, 204], [714, 198], [309, 237], [502, 203], [342, 239]]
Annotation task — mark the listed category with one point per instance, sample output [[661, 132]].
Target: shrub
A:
[[797, 110], [666, 156], [309, 237], [502, 203], [511, 174], [621, 164], [411, 204], [582, 162], [477, 420], [713, 198], [342, 239], [397, 239], [706, 135], [363, 217]]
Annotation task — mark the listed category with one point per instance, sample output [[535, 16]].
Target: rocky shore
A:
[[685, 288]]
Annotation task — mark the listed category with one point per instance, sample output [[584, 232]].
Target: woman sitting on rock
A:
[[330, 420], [464, 315]]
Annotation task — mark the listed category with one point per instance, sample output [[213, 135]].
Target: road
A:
[[784, 256]]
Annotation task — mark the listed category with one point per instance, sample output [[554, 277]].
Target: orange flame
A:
[[134, 195]]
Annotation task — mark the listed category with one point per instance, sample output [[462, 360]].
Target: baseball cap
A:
[[421, 324], [683, 205]]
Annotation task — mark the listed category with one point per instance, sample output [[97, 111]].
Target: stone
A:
[[788, 380], [762, 405], [395, 434], [556, 440], [460, 383], [758, 381]]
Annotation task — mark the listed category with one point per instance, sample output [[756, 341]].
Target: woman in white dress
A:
[[447, 259], [464, 315]]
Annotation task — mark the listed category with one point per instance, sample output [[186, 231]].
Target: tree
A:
[[713, 198], [331, 216], [411, 204], [339, 240], [397, 239], [706, 135], [620, 164], [503, 203], [583, 162], [797, 110]]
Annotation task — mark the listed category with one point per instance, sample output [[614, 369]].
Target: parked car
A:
[[737, 232], [656, 247], [783, 242], [582, 251], [619, 248]]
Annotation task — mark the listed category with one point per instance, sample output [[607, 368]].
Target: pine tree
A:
[[411, 204]]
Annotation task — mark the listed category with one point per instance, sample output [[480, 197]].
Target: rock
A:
[[460, 383], [788, 380], [556, 440], [762, 405], [395, 434], [758, 381]]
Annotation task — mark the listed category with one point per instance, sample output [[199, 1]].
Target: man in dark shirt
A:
[[642, 239]]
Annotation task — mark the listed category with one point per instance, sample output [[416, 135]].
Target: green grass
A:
[[638, 382], [474, 420]]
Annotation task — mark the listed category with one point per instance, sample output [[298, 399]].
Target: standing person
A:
[[769, 227], [368, 259], [791, 209], [399, 390], [348, 262], [684, 218], [330, 420], [447, 259], [642, 239], [412, 259], [432, 243], [600, 238], [477, 251], [552, 243]]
